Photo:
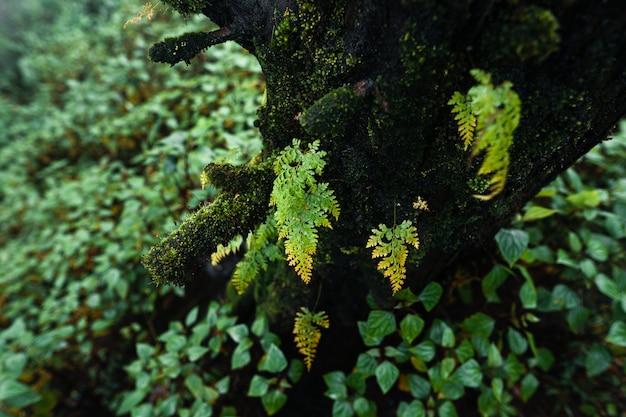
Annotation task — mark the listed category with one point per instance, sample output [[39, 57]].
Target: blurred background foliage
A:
[[100, 153]]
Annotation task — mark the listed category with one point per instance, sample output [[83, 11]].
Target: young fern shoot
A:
[[391, 245], [308, 333], [302, 204], [487, 116]]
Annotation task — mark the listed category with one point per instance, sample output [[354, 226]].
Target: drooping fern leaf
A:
[[302, 204], [487, 117], [464, 117], [308, 333], [262, 250], [223, 251], [390, 244]]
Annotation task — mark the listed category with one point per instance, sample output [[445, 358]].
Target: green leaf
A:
[[336, 383], [295, 371], [273, 361], [420, 387], [470, 374], [517, 341], [492, 281], [514, 368], [497, 387], [537, 212], [414, 409], [597, 250], [512, 243], [617, 333], [238, 332], [528, 292], [196, 352], [430, 295], [342, 409], [424, 351], [367, 339], [130, 401], [529, 386], [364, 407], [494, 357], [386, 375], [194, 384], [442, 334], [258, 386], [447, 409], [577, 317], [273, 401], [607, 286], [597, 360], [144, 351], [192, 316], [380, 324], [241, 354], [464, 351], [366, 364], [356, 381], [478, 324], [545, 359], [410, 327], [584, 199]]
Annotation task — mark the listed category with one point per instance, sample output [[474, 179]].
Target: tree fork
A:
[[398, 141]]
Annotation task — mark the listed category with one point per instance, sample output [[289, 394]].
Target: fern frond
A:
[[496, 114], [390, 244], [465, 118], [302, 204], [262, 250], [307, 332], [223, 251]]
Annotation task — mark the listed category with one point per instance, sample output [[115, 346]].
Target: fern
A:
[[308, 334], [261, 251], [302, 204], [487, 117], [223, 251], [148, 11], [390, 244]]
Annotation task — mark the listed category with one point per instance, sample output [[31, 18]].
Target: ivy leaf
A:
[[386, 375], [597, 360], [517, 341], [420, 387], [380, 323], [410, 327], [478, 324], [617, 334], [273, 401], [447, 409], [512, 243], [529, 386], [274, 360], [414, 409], [430, 295], [258, 386], [537, 212], [492, 281], [470, 374]]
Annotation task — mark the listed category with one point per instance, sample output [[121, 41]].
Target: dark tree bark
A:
[[373, 78]]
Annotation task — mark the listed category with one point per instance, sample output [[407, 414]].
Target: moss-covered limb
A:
[[240, 206], [248, 22], [185, 47]]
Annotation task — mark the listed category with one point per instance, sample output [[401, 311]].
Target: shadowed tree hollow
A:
[[430, 122]]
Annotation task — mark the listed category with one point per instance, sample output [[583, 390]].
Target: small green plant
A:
[[487, 116], [308, 334], [391, 245], [302, 204]]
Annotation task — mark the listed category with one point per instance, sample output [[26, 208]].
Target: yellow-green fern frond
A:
[[223, 251], [464, 116], [302, 205], [307, 332], [494, 113], [390, 244], [262, 250]]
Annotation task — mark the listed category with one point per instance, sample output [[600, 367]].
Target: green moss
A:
[[331, 112], [187, 7], [530, 32]]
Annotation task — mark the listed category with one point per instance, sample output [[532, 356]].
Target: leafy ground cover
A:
[[101, 153]]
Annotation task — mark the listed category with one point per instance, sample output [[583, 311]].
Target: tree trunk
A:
[[371, 80]]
